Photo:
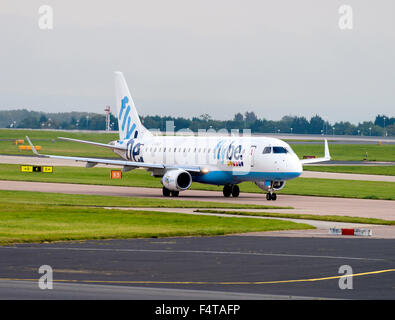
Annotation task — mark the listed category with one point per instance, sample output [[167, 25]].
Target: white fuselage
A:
[[225, 160]]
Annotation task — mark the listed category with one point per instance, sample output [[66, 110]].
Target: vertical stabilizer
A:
[[128, 119]]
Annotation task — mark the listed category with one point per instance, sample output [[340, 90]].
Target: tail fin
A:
[[128, 119]]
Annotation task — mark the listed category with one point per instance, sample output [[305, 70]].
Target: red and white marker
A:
[[350, 232]]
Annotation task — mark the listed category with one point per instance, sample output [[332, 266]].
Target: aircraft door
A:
[[252, 155]]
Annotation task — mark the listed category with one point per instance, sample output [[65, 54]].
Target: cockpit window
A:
[[279, 150], [267, 150]]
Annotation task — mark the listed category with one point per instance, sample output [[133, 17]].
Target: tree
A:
[[383, 119], [31, 123], [300, 125], [205, 117], [250, 116], [316, 124], [43, 119], [238, 117]]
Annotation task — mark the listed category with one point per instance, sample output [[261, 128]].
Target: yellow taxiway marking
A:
[[215, 282]]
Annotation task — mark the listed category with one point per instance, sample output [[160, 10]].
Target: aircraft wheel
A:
[[165, 192], [227, 191], [274, 196], [268, 196], [175, 193], [235, 191]]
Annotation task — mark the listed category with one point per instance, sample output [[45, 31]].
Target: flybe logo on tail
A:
[[125, 121]]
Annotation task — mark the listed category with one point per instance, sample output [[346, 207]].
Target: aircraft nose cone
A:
[[296, 167]]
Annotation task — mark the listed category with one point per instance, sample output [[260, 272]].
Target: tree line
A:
[[382, 125]]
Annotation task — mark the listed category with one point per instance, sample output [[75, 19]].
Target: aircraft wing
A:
[[123, 163], [326, 157], [92, 143]]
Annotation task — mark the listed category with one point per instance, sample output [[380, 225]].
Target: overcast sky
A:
[[186, 58]]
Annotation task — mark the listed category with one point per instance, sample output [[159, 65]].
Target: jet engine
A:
[[177, 180], [275, 185]]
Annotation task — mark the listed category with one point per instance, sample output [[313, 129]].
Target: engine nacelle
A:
[[276, 185], [176, 180]]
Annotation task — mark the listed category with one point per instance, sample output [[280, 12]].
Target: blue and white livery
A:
[[181, 160]]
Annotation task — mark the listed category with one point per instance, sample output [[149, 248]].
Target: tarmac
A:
[[223, 267]]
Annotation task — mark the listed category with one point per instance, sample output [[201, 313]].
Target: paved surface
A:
[[382, 209], [228, 267], [27, 290]]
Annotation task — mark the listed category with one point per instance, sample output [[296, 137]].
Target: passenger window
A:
[[267, 150]]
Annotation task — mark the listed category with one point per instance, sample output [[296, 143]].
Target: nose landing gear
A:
[[271, 196], [230, 189]]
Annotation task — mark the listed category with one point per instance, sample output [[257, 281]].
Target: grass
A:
[[341, 188], [50, 144], [333, 218], [31, 222], [47, 140], [348, 152], [378, 170], [61, 199], [141, 178]]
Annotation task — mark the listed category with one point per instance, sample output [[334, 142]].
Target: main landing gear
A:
[[167, 193], [231, 189], [271, 196]]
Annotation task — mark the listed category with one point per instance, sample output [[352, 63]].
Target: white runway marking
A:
[[197, 252]]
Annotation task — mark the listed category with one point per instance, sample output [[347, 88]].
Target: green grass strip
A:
[[41, 223]]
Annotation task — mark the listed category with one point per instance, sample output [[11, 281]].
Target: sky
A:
[[186, 58]]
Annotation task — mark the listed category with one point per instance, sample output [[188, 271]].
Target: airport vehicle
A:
[[181, 160]]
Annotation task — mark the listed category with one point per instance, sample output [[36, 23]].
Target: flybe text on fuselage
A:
[[228, 153]]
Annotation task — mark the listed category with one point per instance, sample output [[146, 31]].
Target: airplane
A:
[[180, 160]]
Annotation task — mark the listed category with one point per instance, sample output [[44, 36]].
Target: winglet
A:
[[32, 146], [326, 157], [327, 154]]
